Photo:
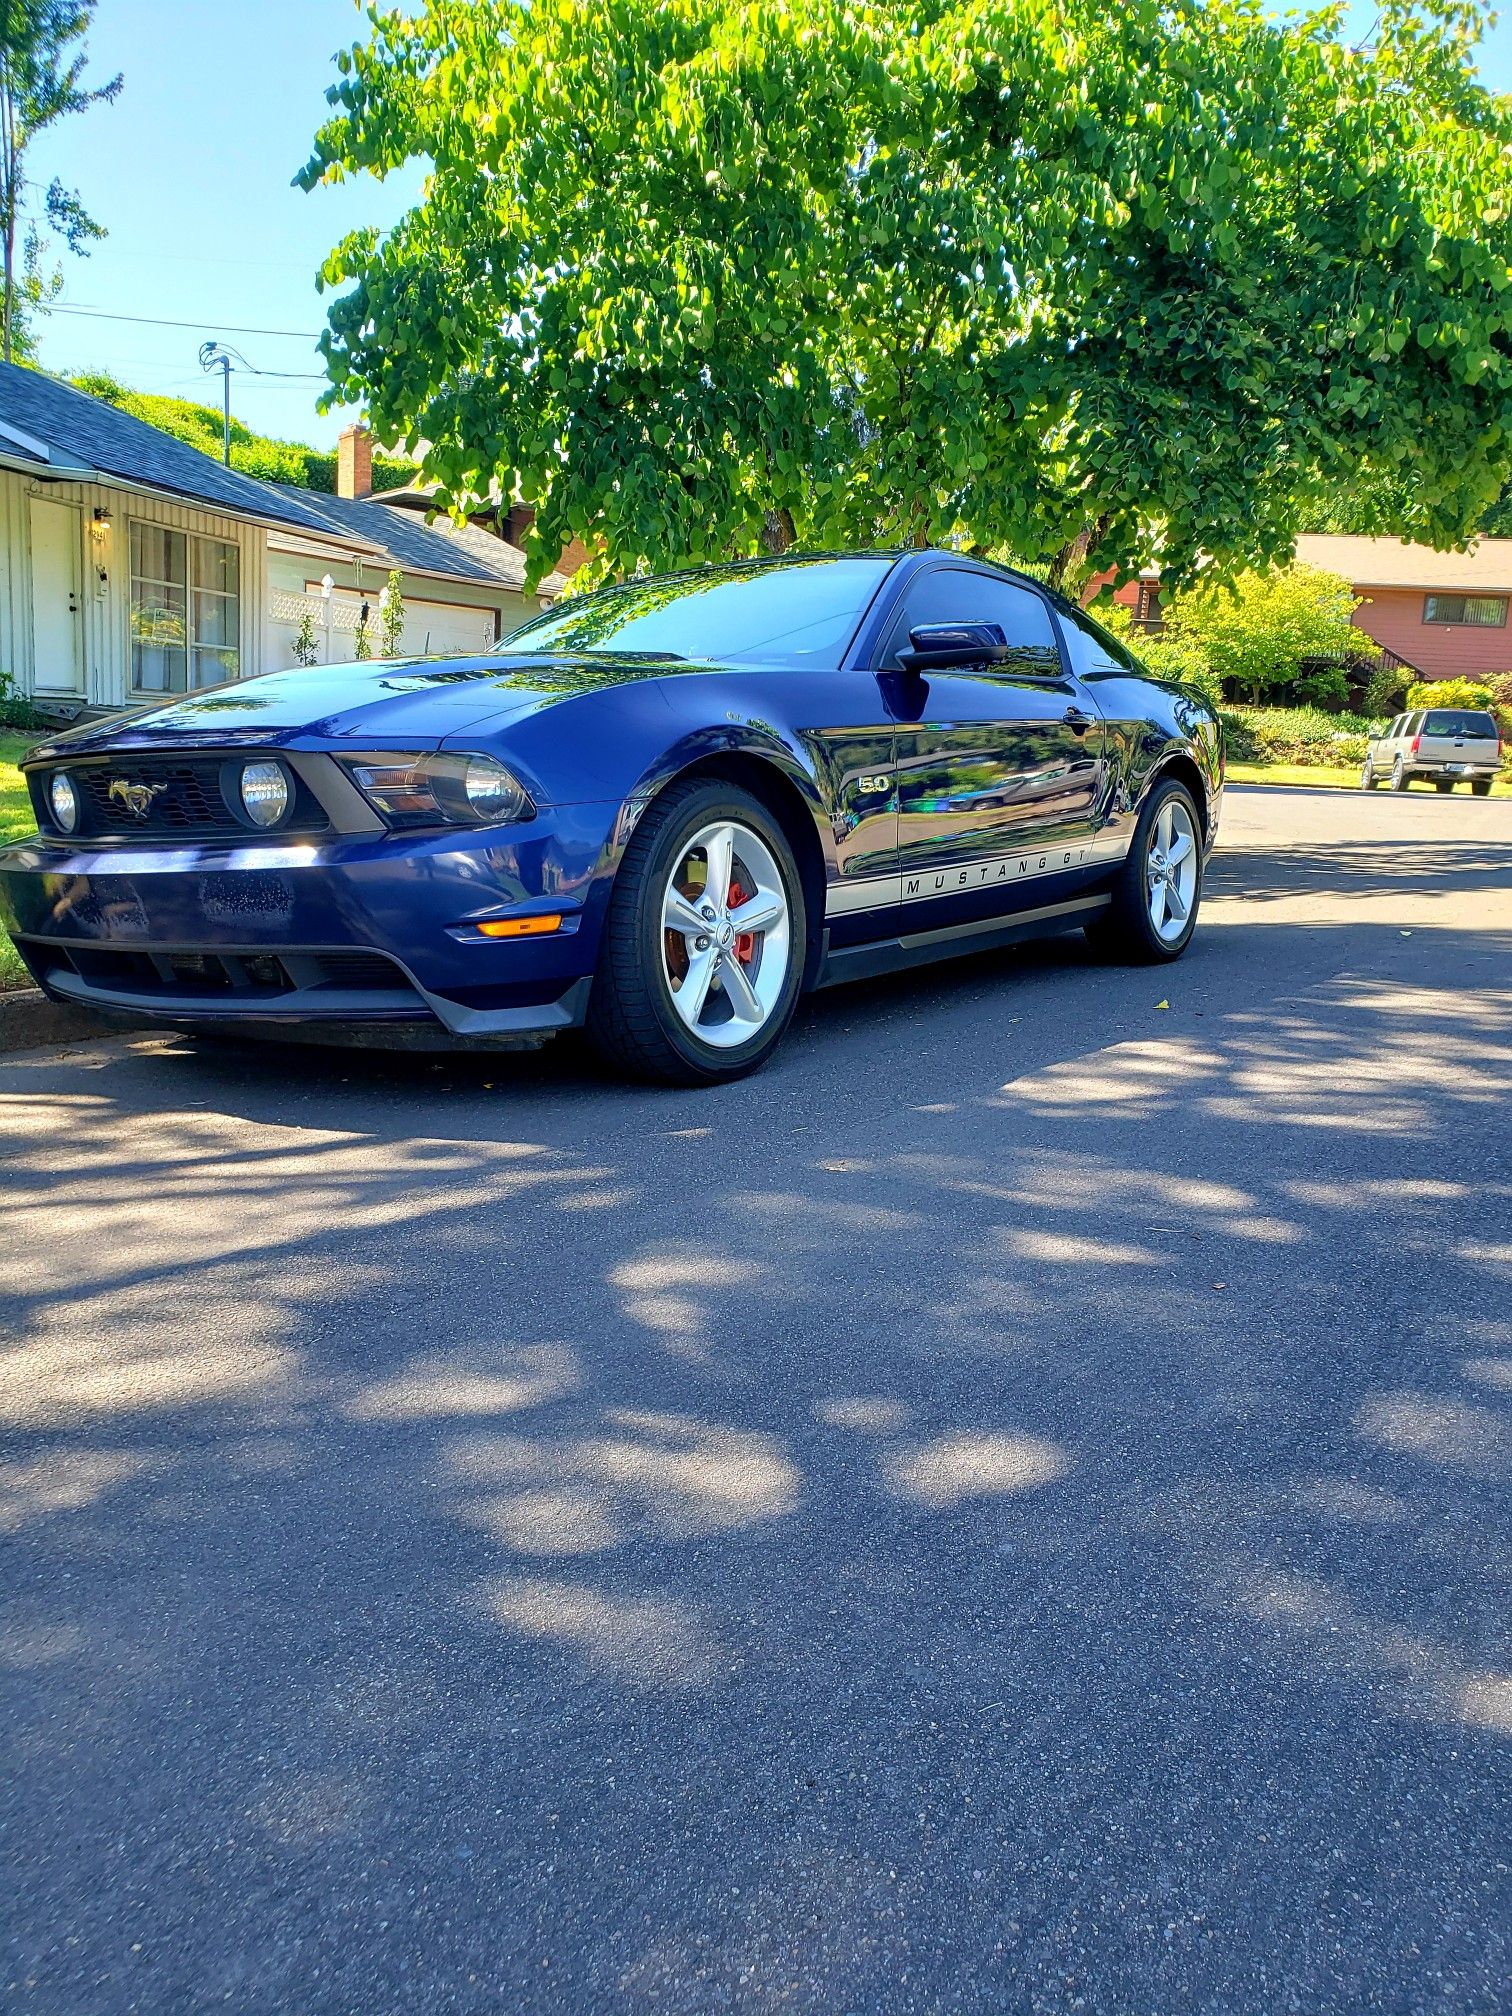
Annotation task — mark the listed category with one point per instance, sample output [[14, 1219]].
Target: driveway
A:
[[1005, 1511]]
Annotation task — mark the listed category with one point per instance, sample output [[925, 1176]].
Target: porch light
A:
[[100, 520]]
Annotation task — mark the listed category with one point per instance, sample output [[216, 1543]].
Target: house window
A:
[[1488, 612], [185, 609]]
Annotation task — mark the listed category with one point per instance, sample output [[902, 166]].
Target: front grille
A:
[[176, 798], [227, 976]]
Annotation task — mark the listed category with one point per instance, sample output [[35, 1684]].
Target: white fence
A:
[[442, 627]]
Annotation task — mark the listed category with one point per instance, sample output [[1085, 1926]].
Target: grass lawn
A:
[[1331, 780], [15, 819]]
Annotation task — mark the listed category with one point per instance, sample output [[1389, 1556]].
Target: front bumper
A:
[[349, 931]]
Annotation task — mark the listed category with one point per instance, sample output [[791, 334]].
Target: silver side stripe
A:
[[878, 892]]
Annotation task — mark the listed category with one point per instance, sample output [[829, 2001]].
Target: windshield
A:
[[800, 612], [1452, 721]]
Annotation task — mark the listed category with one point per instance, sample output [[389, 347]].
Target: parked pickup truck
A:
[[1442, 744]]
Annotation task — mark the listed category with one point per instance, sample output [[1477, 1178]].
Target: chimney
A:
[[354, 463]]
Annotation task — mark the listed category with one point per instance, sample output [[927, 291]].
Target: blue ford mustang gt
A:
[[662, 810]]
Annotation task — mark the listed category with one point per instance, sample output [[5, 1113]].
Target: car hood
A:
[[408, 703]]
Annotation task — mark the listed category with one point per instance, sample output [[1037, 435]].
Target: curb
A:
[[29, 1021]]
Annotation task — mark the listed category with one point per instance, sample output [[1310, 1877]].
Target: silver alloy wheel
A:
[[726, 934], [1367, 777], [1171, 870]]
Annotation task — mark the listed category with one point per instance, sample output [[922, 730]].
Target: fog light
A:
[[64, 801], [264, 793]]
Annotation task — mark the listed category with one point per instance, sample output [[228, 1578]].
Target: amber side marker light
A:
[[522, 927]]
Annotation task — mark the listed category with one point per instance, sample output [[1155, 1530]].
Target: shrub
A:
[[1259, 632], [1302, 735], [1451, 693], [16, 711], [1386, 691], [391, 614]]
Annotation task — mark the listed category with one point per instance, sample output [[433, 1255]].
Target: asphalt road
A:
[[1005, 1511]]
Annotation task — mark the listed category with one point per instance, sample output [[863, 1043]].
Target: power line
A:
[[162, 322]]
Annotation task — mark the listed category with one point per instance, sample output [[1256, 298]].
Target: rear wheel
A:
[[1481, 787], [703, 945], [1443, 783], [1154, 909]]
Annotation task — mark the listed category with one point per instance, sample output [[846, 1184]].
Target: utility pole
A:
[[220, 357]]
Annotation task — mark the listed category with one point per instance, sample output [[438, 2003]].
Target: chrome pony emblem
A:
[[137, 798]]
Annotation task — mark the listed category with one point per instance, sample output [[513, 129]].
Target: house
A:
[[1444, 614], [132, 565], [463, 585], [1439, 615]]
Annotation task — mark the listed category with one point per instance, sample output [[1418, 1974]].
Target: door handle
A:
[[1077, 721]]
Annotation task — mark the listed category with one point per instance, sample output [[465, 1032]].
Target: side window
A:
[[1093, 651], [1412, 724], [961, 595]]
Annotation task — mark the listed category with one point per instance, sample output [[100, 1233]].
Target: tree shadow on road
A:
[[1014, 1497]]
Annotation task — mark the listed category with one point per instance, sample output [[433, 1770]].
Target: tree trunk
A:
[[778, 532], [1070, 562]]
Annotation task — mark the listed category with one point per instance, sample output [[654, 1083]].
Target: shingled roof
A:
[[67, 433], [456, 552]]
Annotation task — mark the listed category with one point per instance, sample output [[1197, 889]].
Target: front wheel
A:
[[1368, 776], [703, 945], [1154, 909], [1399, 777]]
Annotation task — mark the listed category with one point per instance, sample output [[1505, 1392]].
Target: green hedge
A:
[[1304, 735], [251, 454]]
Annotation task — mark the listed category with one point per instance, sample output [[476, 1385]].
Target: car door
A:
[[997, 765]]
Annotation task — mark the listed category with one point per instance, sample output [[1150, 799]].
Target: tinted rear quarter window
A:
[[1092, 649]]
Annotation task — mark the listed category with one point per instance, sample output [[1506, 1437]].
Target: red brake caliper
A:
[[745, 943]]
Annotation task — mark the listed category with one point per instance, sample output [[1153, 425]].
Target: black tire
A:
[[1126, 931], [1399, 777], [1443, 783], [1481, 788], [631, 1017]]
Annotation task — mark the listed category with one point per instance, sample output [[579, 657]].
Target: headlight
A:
[[264, 792], [442, 790], [492, 792], [64, 800]]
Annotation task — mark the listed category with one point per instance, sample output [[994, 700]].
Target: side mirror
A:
[[938, 645]]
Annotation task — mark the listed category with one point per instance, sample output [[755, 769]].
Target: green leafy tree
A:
[[42, 63], [1095, 285], [391, 615], [1169, 653], [1259, 633]]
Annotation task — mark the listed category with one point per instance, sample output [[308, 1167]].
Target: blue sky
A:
[[190, 172]]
